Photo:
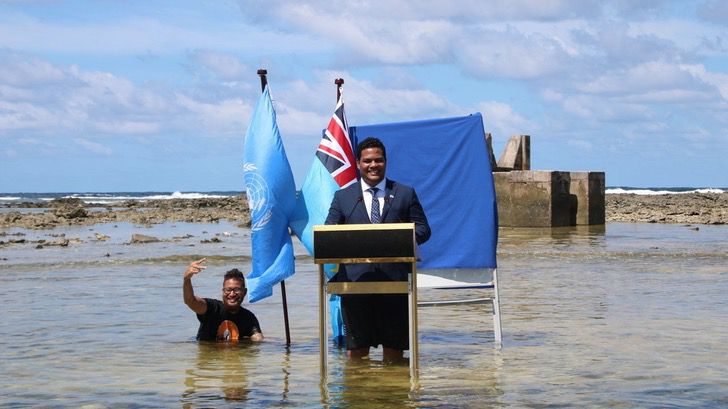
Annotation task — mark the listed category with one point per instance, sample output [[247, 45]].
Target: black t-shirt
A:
[[219, 324]]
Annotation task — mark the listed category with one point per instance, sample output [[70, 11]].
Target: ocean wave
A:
[[111, 198], [638, 191]]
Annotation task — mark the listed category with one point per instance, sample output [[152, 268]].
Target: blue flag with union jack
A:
[[333, 168]]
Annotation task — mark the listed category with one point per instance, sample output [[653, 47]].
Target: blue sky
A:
[[140, 96]]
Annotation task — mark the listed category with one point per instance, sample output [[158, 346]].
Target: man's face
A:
[[232, 293], [372, 165]]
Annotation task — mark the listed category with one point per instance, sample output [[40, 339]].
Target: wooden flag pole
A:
[[263, 82]]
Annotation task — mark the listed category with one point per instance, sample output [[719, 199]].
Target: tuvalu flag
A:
[[333, 168], [271, 193]]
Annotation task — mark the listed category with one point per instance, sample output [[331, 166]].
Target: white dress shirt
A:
[[368, 196]]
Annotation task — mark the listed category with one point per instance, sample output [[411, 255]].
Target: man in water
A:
[[222, 320], [376, 319]]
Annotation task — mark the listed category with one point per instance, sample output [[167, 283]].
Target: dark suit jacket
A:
[[401, 205]]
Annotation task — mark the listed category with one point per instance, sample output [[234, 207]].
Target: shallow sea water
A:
[[627, 315]]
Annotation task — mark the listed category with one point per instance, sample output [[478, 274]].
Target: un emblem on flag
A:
[[256, 189]]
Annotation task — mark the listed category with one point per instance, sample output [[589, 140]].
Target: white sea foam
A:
[[110, 198], [101, 198], [636, 191]]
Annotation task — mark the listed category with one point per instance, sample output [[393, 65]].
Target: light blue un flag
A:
[[271, 193]]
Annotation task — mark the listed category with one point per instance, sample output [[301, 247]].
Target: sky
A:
[[108, 96]]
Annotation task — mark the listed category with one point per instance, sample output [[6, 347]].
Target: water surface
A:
[[631, 315]]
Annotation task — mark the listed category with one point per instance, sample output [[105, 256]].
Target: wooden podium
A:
[[366, 243]]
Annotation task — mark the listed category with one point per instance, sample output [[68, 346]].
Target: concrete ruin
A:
[[543, 198]]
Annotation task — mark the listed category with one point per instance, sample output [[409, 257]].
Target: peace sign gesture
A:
[[195, 267]]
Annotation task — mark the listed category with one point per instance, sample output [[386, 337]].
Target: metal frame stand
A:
[[353, 249]]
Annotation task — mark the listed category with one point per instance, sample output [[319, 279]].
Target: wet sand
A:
[[692, 208]]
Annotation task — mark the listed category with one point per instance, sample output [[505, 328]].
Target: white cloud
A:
[[93, 147], [688, 36], [362, 40], [304, 108], [404, 33], [141, 34], [366, 101], [295, 122], [648, 91], [18, 71], [36, 146], [585, 73], [25, 116], [715, 11], [223, 65], [226, 116], [651, 76], [580, 144], [29, 141], [121, 127], [718, 80], [512, 54], [66, 100], [590, 109], [395, 103], [621, 45], [10, 153], [466, 10], [502, 121]]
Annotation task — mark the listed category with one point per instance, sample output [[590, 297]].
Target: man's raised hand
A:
[[195, 267]]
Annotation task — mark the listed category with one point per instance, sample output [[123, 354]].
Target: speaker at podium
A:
[[366, 243]]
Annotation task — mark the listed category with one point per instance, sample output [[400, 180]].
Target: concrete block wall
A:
[[587, 196], [516, 154], [528, 198], [543, 198]]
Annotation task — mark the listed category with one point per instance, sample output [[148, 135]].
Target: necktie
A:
[[375, 205]]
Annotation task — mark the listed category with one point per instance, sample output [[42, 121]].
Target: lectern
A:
[[366, 243]]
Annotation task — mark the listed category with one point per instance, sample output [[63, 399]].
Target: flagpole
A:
[[263, 83], [263, 79], [339, 82]]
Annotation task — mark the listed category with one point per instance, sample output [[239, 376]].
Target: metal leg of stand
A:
[[414, 347], [323, 345], [496, 312]]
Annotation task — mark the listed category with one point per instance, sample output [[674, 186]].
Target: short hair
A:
[[234, 274], [368, 143]]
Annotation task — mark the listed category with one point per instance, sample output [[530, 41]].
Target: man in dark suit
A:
[[376, 319]]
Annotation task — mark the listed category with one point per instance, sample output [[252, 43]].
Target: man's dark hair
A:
[[370, 143], [236, 274]]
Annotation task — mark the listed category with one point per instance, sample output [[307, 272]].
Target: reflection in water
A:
[[221, 372], [459, 366], [369, 383], [286, 366]]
